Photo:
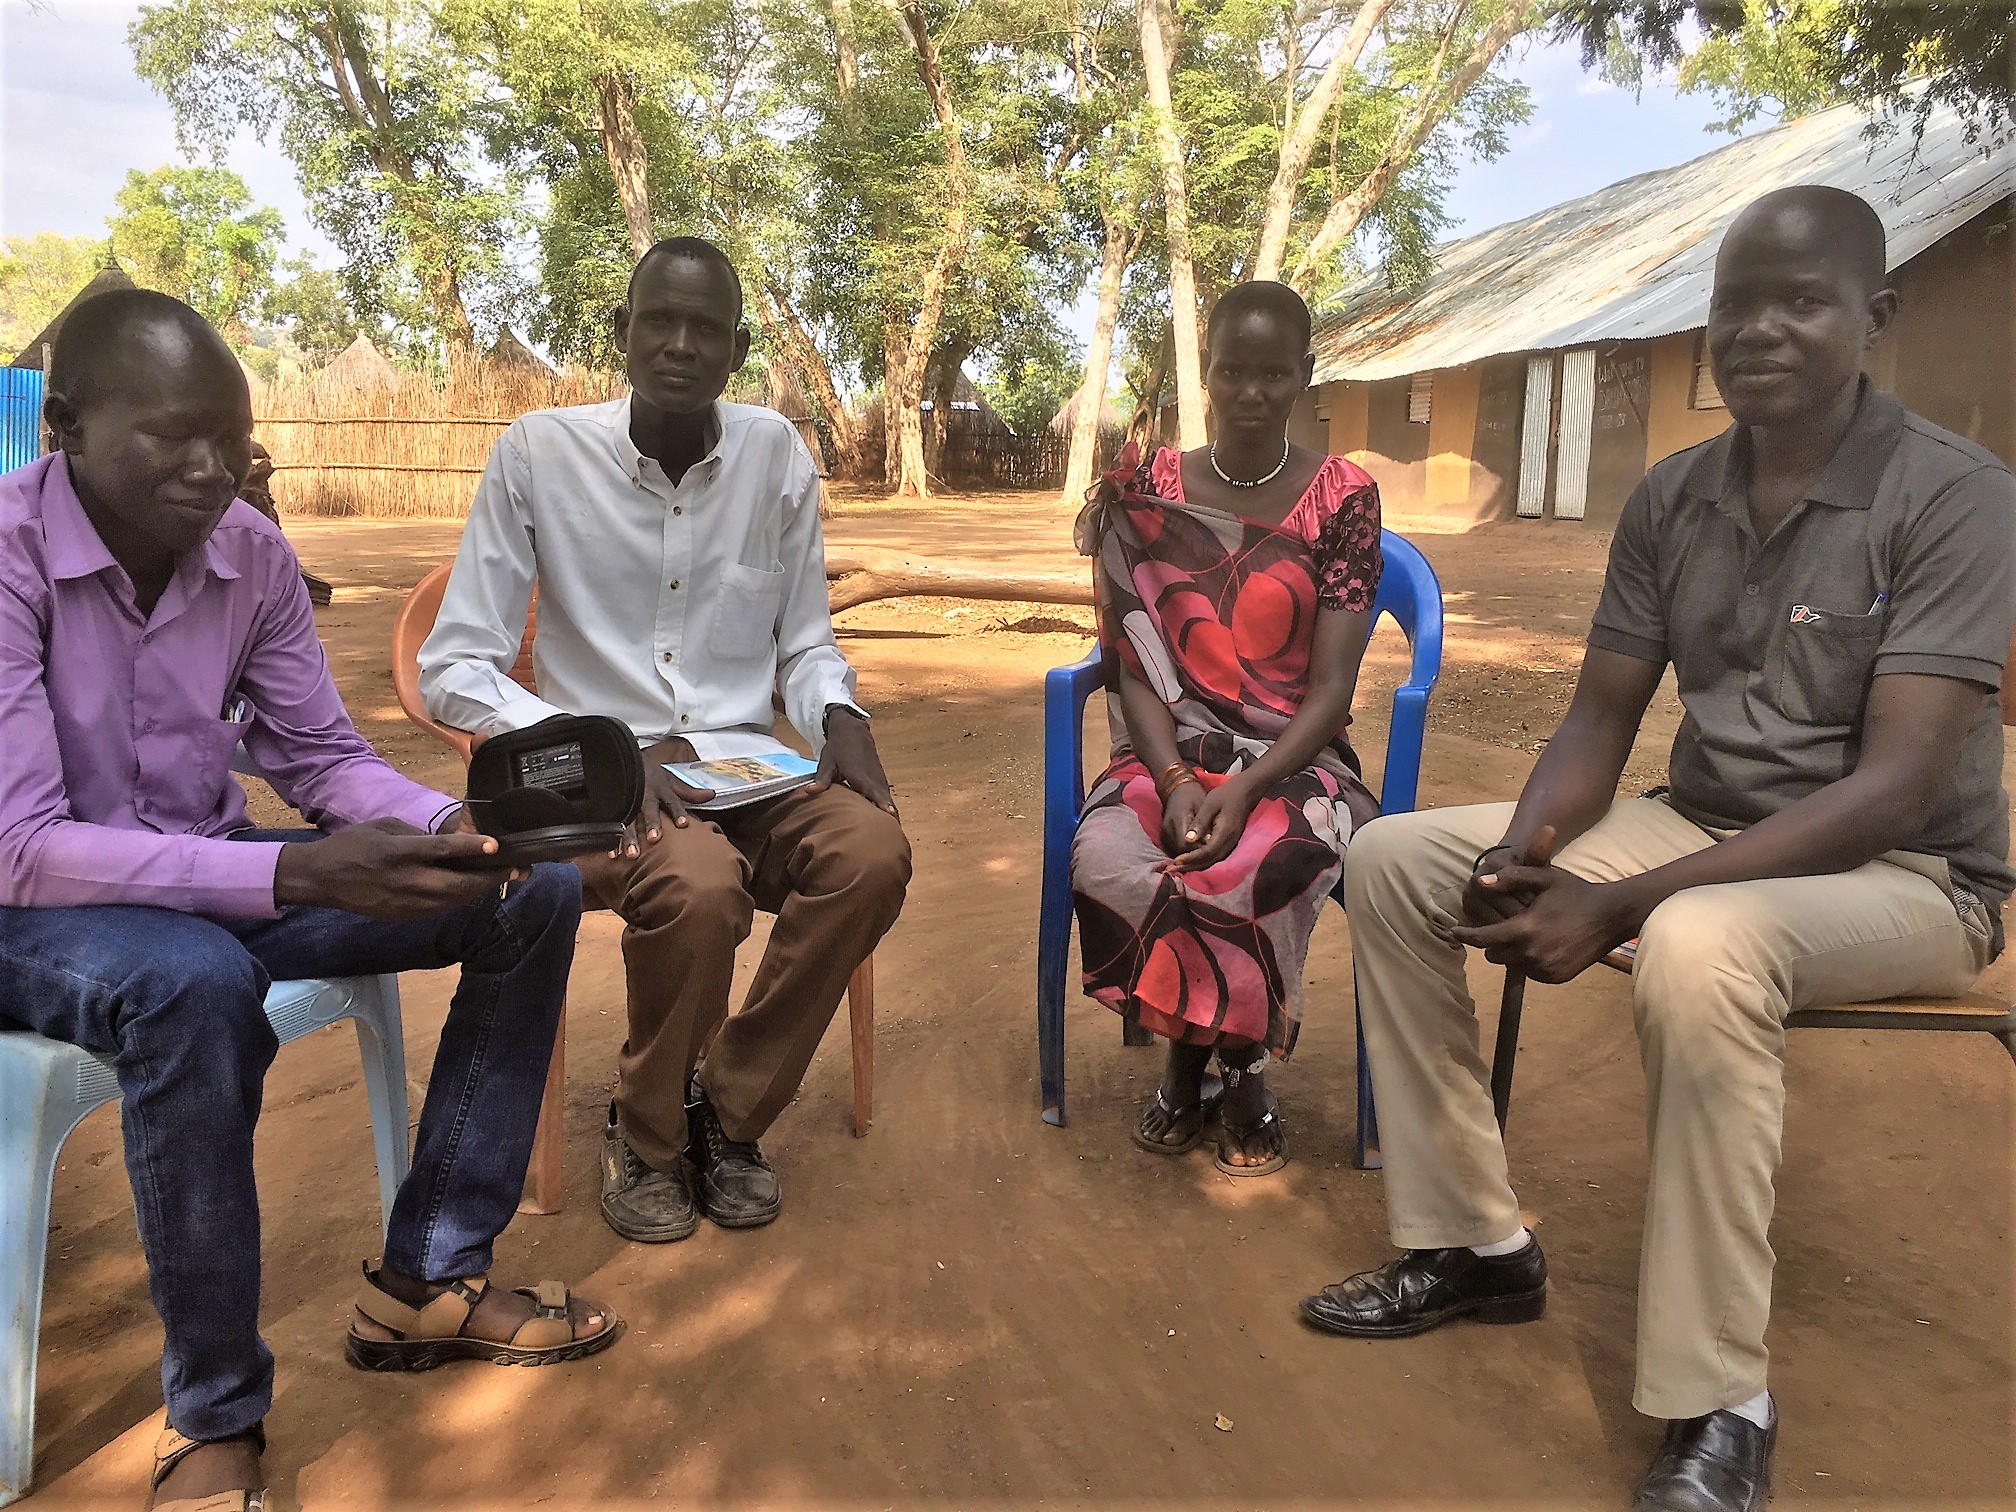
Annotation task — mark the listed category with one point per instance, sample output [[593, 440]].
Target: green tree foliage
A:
[[38, 276], [1238, 63], [312, 310], [1789, 56], [386, 124], [195, 233], [650, 88], [879, 180], [1424, 95], [1778, 63], [1031, 380], [910, 188]]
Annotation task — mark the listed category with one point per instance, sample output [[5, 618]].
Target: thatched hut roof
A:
[[360, 365], [1067, 413], [104, 281], [970, 408], [782, 392], [509, 352]]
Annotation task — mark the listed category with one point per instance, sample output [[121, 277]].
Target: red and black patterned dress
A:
[[1217, 614]]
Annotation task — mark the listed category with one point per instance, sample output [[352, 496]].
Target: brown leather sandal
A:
[[432, 1335], [171, 1449]]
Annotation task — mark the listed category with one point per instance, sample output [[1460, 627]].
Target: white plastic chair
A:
[[47, 1087]]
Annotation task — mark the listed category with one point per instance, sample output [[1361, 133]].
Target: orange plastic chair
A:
[[543, 1177]]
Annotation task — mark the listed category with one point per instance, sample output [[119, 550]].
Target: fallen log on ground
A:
[[860, 576]]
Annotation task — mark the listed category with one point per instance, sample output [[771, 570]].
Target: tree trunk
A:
[[445, 294], [1145, 429], [1176, 210], [1089, 404], [1301, 132], [1439, 96], [895, 353], [950, 362], [846, 65], [903, 381], [908, 470], [616, 119], [369, 108], [784, 328], [938, 389], [859, 576]]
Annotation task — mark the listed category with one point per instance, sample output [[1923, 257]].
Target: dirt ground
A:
[[968, 1307]]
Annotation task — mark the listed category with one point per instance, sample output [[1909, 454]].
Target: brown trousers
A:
[[830, 865]]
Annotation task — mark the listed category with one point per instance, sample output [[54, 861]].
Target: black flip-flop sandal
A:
[[1244, 1132], [1211, 1091]]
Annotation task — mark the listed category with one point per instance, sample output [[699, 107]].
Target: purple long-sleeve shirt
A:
[[118, 730]]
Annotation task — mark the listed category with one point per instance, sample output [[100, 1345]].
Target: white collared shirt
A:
[[676, 608]]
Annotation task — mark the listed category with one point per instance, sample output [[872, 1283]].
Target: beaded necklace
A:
[[1250, 482]]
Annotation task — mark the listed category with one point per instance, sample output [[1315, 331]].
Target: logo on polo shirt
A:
[[1803, 614]]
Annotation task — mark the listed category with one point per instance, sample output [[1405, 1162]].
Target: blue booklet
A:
[[739, 780]]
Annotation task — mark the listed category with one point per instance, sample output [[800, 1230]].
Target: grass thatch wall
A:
[[413, 449]]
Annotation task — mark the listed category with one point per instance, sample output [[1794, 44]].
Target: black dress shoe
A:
[[651, 1207], [1717, 1463], [1424, 1289], [738, 1189]]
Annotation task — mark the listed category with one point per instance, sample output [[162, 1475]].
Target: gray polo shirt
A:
[[1901, 559]]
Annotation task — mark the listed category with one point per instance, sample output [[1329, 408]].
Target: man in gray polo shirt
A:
[[1834, 583]]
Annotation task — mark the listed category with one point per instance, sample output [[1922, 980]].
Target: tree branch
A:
[[1298, 147], [862, 575], [1438, 99]]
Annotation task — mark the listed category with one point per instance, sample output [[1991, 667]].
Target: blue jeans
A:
[[176, 1000]]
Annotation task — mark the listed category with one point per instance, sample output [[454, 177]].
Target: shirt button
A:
[[665, 656], [685, 719], [678, 509], [674, 585], [1751, 589]]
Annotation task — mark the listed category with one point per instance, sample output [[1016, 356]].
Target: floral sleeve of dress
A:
[[1348, 558]]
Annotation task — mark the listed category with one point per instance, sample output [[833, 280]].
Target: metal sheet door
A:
[[1578, 422], [20, 417], [1535, 432]]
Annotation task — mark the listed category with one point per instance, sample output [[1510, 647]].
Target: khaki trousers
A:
[[830, 865], [1718, 969]]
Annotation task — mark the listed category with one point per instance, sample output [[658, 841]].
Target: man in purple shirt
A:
[[149, 627]]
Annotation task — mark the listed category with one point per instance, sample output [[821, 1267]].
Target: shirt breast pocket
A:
[[745, 612], [190, 773], [1824, 676]]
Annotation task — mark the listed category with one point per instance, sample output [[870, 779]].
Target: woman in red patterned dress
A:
[[1235, 589]]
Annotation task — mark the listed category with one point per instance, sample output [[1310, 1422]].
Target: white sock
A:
[[1757, 1409], [1510, 1246]]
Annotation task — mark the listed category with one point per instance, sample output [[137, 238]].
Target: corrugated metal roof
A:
[[1636, 259]]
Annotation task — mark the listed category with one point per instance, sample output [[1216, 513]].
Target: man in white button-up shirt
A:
[[676, 545]]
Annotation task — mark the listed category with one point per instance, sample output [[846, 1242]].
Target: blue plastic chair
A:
[[1409, 591], [47, 1087]]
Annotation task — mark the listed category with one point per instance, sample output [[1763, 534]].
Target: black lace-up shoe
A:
[[1424, 1289], [651, 1207], [738, 1189], [1717, 1463]]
